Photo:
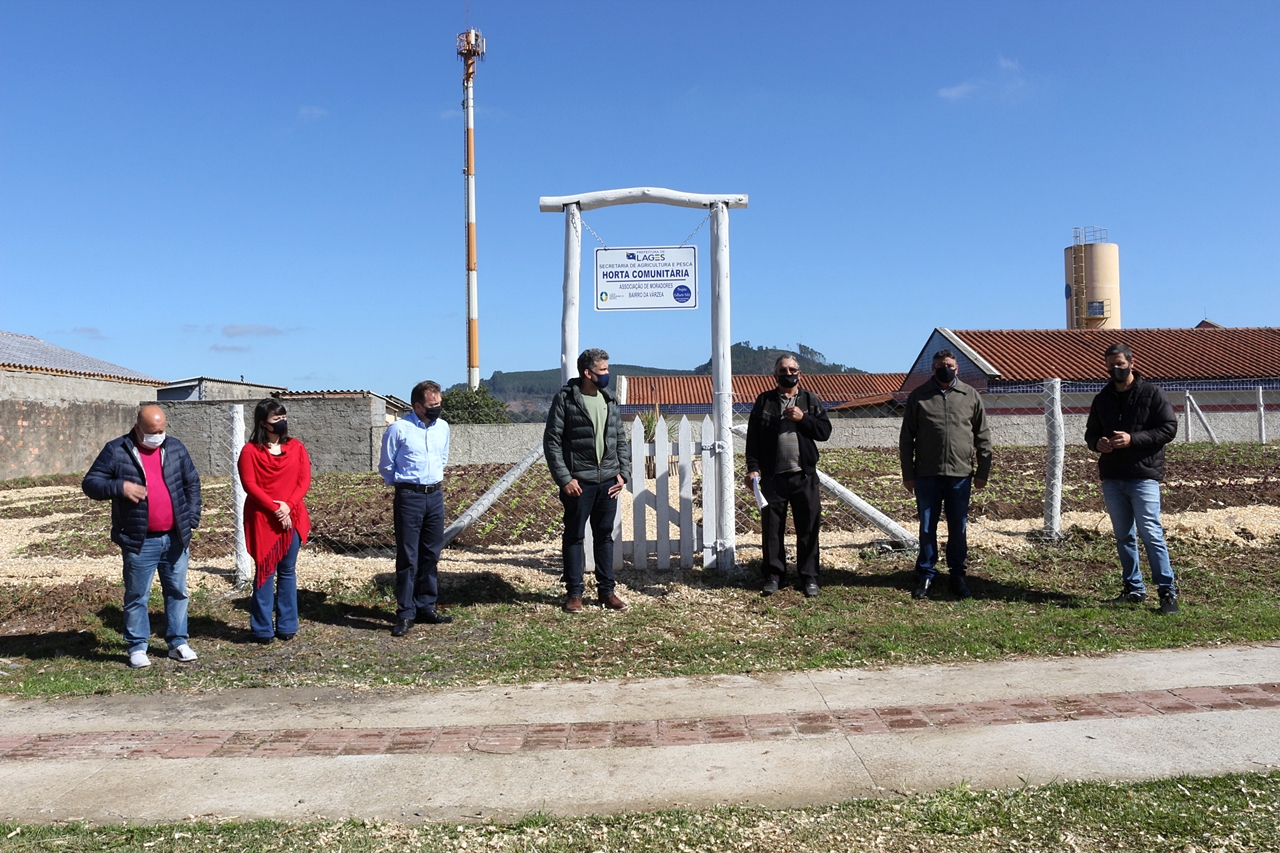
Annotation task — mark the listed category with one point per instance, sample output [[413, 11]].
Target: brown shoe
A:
[[573, 604], [612, 602]]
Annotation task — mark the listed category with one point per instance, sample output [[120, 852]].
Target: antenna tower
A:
[[470, 49]]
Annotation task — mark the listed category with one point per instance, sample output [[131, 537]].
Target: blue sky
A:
[[274, 189]]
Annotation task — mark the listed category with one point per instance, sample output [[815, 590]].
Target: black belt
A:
[[419, 487]]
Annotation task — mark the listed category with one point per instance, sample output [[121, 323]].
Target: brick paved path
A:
[[287, 743]]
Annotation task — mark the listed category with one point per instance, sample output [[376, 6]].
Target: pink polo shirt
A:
[[159, 502]]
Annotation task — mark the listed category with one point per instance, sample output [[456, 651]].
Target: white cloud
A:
[[1009, 84], [241, 330], [312, 113], [227, 348], [93, 333], [958, 92]]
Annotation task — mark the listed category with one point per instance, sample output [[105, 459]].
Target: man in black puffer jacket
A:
[[1130, 422], [155, 504], [589, 457]]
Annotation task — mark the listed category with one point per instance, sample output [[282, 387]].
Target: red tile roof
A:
[[696, 390], [1076, 354]]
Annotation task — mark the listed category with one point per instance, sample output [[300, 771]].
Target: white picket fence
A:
[[655, 496]]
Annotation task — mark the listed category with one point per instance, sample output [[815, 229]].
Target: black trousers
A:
[[800, 491], [593, 506], [419, 520]]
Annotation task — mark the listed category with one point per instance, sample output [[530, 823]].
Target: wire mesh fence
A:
[[1041, 471]]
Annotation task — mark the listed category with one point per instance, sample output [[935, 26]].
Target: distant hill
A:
[[527, 393], [748, 359]]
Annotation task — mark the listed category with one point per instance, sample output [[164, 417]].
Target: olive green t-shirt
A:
[[598, 410]]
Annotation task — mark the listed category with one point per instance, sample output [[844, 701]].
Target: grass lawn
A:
[[1047, 600], [1227, 813]]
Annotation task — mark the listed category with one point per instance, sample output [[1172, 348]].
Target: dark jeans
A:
[[278, 595], [800, 490], [594, 505], [934, 495], [419, 520]]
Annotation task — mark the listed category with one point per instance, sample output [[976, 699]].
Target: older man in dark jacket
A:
[[589, 457], [1130, 422], [155, 504], [782, 454]]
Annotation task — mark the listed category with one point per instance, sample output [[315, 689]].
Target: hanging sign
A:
[[647, 278]]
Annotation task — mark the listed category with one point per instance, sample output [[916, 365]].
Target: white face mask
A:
[[153, 440]]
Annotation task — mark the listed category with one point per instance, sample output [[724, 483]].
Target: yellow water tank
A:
[[1093, 285]]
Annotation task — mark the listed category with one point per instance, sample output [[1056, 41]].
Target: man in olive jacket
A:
[[944, 427], [1130, 422], [589, 457], [785, 423]]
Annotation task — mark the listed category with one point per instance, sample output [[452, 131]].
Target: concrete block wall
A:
[[342, 434], [51, 438]]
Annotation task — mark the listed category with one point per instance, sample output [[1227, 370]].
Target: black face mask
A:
[[430, 413], [1120, 374], [788, 380], [944, 374], [280, 427]]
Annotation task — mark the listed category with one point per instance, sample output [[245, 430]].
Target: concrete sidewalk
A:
[[779, 740]]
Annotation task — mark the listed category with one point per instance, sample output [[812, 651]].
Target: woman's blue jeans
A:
[[1134, 507], [164, 554], [279, 594]]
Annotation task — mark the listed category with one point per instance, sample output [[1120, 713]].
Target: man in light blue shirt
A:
[[415, 451]]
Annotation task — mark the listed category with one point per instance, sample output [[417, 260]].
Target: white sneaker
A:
[[182, 653], [139, 659]]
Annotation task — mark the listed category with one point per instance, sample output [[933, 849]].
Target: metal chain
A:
[[696, 230], [692, 233], [593, 232]]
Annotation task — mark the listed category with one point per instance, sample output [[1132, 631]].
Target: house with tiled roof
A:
[[209, 388], [36, 370], [692, 395], [58, 407]]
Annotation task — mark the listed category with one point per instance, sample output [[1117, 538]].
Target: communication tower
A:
[[471, 49]]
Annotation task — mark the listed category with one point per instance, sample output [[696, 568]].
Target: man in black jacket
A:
[[589, 457], [1130, 422], [782, 455], [155, 504]]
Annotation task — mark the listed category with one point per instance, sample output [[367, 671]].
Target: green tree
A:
[[460, 405]]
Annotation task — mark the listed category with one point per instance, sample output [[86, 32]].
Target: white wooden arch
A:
[[721, 365]]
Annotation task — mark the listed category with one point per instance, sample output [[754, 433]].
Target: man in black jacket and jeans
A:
[[155, 504], [1130, 422], [589, 457], [785, 423]]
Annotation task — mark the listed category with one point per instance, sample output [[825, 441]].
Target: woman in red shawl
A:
[[276, 472]]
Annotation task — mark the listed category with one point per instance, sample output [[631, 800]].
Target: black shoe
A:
[[285, 637], [263, 641], [402, 627], [959, 588], [770, 587], [921, 592], [811, 589], [1129, 598], [431, 617], [1168, 602]]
